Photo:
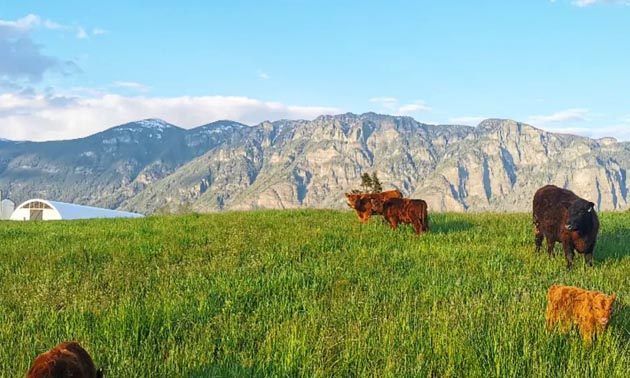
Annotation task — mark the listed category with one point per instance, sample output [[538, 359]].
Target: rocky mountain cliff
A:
[[151, 165]]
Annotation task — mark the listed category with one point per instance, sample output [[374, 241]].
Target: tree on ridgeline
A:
[[369, 184], [377, 187], [366, 182]]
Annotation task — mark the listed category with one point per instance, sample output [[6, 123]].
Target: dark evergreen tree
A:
[[366, 182], [377, 187]]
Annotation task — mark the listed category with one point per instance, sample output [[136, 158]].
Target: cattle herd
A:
[[393, 207], [558, 216]]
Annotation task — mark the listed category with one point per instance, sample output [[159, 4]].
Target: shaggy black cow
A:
[[562, 216]]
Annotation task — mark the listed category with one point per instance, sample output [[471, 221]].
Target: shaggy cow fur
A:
[[561, 216], [363, 203], [570, 306], [65, 360], [406, 211]]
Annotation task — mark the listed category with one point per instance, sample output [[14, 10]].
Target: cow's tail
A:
[[425, 217]]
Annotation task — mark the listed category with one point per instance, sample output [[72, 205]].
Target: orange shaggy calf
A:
[[64, 361], [569, 306]]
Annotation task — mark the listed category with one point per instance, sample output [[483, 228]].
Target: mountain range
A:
[[152, 166]]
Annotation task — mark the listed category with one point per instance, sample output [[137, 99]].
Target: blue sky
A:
[[71, 68]]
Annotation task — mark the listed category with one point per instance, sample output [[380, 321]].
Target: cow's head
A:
[[361, 204], [602, 308], [580, 215], [353, 200]]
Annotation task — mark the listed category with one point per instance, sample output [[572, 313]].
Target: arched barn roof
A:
[[70, 211]]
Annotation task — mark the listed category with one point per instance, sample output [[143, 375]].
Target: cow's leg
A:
[[551, 315], [393, 223], [588, 256], [539, 240], [418, 227], [550, 244], [568, 252]]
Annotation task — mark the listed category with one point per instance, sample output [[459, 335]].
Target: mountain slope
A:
[[151, 165], [494, 167], [106, 168]]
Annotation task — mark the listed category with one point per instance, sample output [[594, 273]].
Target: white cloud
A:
[[132, 85], [418, 106], [555, 123], [22, 58], [385, 101], [81, 33], [586, 3], [620, 131], [569, 115], [33, 21], [47, 118], [263, 75], [391, 105], [29, 22], [81, 112], [467, 120]]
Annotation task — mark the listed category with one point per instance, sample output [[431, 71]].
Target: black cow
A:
[[562, 216]]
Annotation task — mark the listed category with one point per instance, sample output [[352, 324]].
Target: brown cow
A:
[[363, 203], [406, 211], [570, 306], [561, 216], [65, 360]]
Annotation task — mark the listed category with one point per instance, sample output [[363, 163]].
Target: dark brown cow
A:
[[65, 360], [562, 216], [406, 211], [363, 203]]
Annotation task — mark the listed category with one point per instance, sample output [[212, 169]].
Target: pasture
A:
[[304, 293]]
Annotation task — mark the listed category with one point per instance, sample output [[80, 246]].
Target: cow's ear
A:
[[613, 297], [347, 195]]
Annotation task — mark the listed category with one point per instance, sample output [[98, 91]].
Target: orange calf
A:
[[569, 306]]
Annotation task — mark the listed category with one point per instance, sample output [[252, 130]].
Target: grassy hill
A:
[[304, 293]]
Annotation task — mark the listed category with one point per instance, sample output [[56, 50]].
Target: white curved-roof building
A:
[[39, 209]]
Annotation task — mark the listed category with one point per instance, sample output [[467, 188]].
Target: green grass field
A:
[[304, 293]]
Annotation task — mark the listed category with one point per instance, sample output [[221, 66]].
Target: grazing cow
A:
[[406, 211], [570, 306], [65, 360], [561, 216], [363, 203]]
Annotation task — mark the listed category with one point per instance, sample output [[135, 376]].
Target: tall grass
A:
[[304, 293]]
